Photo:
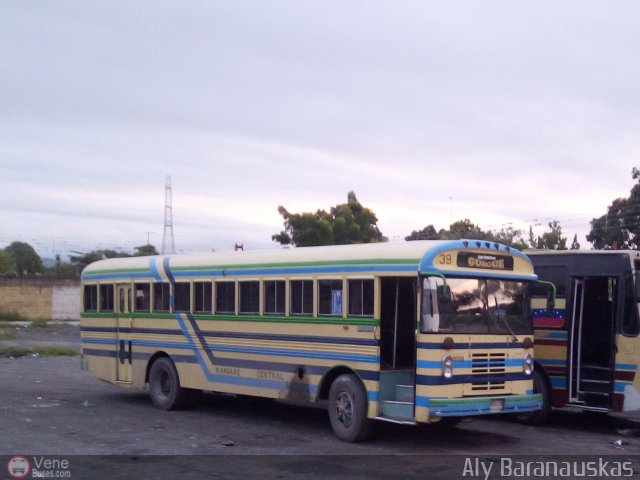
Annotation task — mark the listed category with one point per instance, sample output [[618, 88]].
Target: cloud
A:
[[430, 112]]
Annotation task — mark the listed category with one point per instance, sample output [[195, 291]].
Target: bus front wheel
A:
[[348, 409], [540, 385], [164, 385]]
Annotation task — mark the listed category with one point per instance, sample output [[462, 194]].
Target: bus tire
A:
[[540, 385], [348, 409], [164, 385], [446, 422]]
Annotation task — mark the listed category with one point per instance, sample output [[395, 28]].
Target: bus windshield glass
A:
[[475, 305]]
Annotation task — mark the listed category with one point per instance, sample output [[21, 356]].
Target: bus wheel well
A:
[[329, 377], [153, 358], [537, 366]]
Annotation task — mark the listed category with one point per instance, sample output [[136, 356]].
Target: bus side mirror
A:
[[444, 294], [551, 304]]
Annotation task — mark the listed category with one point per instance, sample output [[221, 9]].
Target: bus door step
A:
[[397, 410]]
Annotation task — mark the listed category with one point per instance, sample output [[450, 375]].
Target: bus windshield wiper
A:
[[504, 321]]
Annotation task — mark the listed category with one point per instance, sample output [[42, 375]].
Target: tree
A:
[[427, 233], [344, 224], [619, 228], [465, 229], [574, 244], [511, 237], [27, 261], [7, 263], [85, 259], [551, 239], [145, 250]]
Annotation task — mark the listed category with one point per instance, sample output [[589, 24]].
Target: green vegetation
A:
[[619, 228], [344, 224], [37, 350], [39, 323], [8, 335], [6, 316]]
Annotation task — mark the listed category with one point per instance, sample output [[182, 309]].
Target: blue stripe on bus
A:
[[620, 385], [556, 335], [558, 382], [167, 269], [100, 341], [297, 353], [241, 335], [626, 366], [154, 270], [512, 362], [459, 379], [560, 363], [483, 407], [252, 271]]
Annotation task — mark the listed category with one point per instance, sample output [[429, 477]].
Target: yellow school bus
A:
[[588, 348], [413, 332]]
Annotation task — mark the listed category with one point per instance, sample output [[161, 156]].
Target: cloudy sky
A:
[[500, 112]]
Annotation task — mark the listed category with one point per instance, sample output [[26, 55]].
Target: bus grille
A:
[[488, 371]]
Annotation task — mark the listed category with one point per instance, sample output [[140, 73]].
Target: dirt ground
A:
[[49, 406]]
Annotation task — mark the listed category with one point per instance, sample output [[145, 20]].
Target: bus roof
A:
[[415, 256]]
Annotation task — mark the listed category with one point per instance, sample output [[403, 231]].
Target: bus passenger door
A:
[[123, 333], [592, 347]]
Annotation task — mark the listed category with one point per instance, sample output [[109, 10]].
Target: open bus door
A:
[[592, 342], [398, 320]]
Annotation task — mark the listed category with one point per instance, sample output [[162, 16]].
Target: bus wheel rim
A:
[[344, 409]]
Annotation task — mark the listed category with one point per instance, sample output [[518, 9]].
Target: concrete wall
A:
[[41, 298]]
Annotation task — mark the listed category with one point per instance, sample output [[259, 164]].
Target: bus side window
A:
[[106, 298], [360, 298], [203, 297], [182, 297], [143, 297], [161, 296], [90, 298], [330, 297], [250, 297], [274, 297], [302, 297], [225, 297]]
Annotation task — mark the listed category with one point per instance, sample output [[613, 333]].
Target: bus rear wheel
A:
[[164, 385], [348, 409]]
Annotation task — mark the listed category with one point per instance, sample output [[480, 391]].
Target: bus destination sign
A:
[[485, 261]]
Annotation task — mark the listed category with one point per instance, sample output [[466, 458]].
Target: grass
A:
[[5, 335], [6, 316], [39, 323], [37, 350]]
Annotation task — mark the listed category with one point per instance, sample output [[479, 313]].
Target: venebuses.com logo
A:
[[18, 467], [38, 467]]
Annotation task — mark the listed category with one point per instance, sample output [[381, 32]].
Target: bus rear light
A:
[[447, 367]]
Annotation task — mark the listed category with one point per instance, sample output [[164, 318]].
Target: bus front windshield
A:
[[475, 305]]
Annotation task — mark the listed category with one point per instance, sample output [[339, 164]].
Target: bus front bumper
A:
[[455, 407]]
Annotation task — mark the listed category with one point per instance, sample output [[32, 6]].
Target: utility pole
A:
[[168, 243]]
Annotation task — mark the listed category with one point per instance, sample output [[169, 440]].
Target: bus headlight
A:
[[527, 365], [447, 367]]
